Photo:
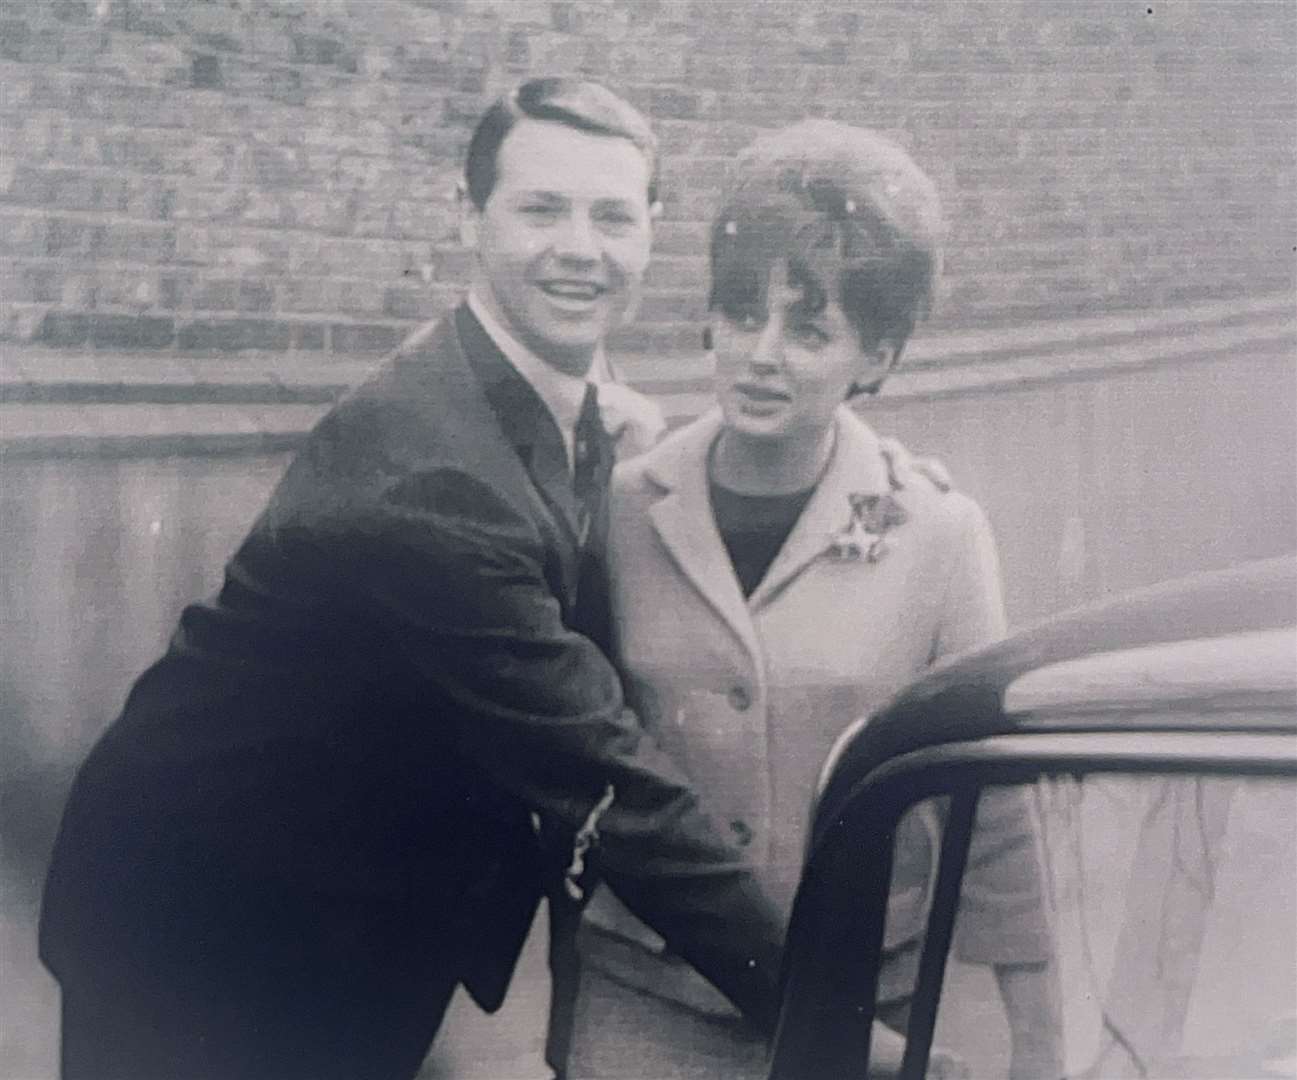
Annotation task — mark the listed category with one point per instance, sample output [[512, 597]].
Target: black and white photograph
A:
[[648, 539]]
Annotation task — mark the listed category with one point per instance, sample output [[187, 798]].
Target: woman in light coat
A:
[[776, 573]]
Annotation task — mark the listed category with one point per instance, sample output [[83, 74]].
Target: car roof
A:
[[1120, 648], [1233, 672]]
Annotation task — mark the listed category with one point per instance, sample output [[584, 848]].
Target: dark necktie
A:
[[592, 459]]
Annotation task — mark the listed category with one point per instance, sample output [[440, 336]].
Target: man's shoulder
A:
[[420, 409], [419, 361], [418, 388]]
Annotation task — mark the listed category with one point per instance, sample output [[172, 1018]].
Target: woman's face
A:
[[783, 375]]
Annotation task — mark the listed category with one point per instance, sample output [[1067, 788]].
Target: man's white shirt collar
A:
[[561, 393]]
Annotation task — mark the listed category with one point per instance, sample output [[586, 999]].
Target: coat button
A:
[[739, 698], [742, 832]]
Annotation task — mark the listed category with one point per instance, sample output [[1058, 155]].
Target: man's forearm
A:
[[538, 706]]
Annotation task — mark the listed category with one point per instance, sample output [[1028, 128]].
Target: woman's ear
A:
[[469, 217], [887, 355], [876, 364]]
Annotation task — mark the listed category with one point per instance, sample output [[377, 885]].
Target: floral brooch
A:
[[864, 535]]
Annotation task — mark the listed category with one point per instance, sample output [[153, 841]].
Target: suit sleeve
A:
[[1002, 914], [460, 576]]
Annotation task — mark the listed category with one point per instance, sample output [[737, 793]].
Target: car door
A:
[[1166, 847]]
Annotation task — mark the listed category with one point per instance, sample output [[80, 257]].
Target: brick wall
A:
[[208, 176]]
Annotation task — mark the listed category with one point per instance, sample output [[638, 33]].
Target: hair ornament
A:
[[731, 228], [851, 206]]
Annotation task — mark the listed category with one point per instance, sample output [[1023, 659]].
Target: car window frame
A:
[[831, 963]]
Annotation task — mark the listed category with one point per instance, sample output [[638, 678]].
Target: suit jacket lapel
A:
[[526, 422], [857, 466], [684, 520]]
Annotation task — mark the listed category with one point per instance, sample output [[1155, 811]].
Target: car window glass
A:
[[1112, 926]]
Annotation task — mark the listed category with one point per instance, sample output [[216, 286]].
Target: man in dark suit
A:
[[334, 798]]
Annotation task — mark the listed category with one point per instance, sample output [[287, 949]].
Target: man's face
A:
[[563, 240]]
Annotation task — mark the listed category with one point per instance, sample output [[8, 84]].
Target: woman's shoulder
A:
[[946, 513], [928, 494], [920, 483], [659, 468]]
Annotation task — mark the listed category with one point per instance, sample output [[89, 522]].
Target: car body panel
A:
[[1195, 678], [964, 697]]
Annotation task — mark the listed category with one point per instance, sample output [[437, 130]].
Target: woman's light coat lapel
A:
[[856, 467], [685, 523]]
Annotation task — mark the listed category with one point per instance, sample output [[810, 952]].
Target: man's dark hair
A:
[[586, 106]]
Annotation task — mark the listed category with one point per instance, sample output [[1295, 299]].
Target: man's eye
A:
[[615, 219]]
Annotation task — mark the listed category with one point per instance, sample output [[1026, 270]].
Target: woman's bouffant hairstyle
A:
[[586, 106], [851, 216]]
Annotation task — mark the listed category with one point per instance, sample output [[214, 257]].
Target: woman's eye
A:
[[810, 336], [539, 210]]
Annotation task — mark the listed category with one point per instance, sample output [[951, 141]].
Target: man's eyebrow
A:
[[539, 194], [615, 202]]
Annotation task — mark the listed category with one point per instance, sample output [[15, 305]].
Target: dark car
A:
[[1153, 739]]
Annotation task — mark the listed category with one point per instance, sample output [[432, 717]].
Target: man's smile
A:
[[571, 289]]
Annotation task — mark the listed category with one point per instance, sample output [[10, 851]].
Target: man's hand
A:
[[900, 459], [633, 421]]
